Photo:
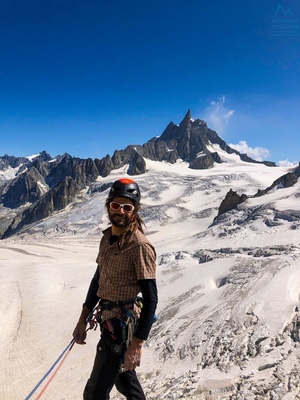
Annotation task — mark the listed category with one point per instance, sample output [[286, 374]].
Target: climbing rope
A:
[[69, 347], [60, 360]]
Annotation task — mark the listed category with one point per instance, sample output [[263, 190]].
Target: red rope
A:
[[54, 373], [92, 326]]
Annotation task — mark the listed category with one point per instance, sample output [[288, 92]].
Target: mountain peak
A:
[[187, 116], [185, 123], [192, 141]]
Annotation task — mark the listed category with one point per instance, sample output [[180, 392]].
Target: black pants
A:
[[106, 374]]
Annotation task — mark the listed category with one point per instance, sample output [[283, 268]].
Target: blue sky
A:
[[89, 77]]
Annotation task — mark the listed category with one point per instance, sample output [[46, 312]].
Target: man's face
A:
[[120, 217]]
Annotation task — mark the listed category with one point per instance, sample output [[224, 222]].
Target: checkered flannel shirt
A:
[[120, 270]]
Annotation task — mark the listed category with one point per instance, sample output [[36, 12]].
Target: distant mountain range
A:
[[32, 189]]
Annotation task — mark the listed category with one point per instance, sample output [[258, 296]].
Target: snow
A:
[[9, 173], [205, 291], [32, 157]]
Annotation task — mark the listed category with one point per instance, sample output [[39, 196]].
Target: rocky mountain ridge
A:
[[44, 185]]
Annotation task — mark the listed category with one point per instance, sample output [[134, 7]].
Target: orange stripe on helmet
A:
[[126, 181]]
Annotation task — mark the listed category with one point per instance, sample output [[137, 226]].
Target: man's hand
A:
[[79, 332], [133, 354]]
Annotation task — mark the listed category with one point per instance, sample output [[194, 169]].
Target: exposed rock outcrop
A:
[[27, 187], [54, 200], [231, 201], [10, 161], [284, 181]]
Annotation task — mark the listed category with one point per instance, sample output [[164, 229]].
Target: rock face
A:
[[231, 201], [43, 185], [27, 187], [54, 200], [51, 189], [284, 181], [10, 161]]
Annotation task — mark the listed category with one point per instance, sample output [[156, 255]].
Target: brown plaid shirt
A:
[[120, 270]]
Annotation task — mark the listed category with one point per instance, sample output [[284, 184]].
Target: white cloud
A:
[[287, 163], [257, 153], [217, 115]]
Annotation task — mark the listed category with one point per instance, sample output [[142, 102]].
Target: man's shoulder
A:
[[141, 238], [107, 231]]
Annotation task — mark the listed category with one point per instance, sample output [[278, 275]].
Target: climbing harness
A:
[[128, 323]]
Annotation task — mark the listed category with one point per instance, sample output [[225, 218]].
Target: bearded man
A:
[[126, 267]]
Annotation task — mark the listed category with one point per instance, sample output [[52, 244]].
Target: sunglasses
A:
[[116, 206]]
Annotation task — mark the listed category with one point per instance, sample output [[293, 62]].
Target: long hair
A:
[[136, 223]]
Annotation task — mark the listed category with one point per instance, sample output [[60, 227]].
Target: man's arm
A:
[[88, 306], [91, 298], [133, 354], [150, 299]]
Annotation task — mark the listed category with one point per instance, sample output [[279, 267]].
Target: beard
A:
[[120, 220]]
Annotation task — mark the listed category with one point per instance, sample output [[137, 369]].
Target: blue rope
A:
[[51, 369]]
